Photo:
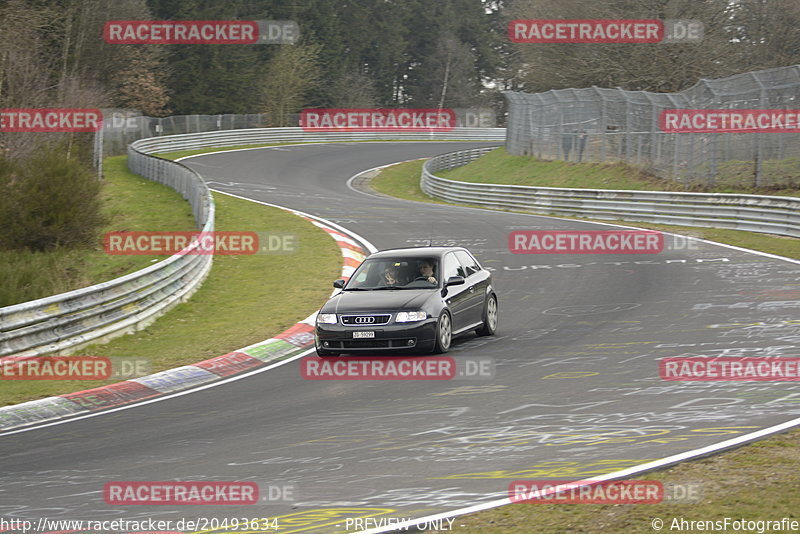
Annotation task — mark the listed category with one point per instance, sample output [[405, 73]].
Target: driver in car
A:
[[426, 271]]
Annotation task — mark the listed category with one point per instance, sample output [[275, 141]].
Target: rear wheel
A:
[[489, 318], [444, 334]]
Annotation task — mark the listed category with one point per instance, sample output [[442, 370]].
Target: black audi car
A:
[[409, 298]]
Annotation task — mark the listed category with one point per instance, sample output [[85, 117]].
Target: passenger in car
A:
[[390, 276]]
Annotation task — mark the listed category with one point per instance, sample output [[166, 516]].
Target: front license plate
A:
[[362, 335]]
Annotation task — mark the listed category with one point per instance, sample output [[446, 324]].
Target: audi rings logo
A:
[[364, 320]]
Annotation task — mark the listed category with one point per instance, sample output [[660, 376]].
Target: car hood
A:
[[377, 301]]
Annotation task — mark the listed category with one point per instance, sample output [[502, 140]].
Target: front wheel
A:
[[444, 334], [489, 318]]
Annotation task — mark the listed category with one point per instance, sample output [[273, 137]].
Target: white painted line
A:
[[649, 466], [357, 175], [159, 399], [369, 246], [352, 254], [346, 240]]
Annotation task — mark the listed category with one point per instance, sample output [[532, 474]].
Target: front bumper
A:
[[390, 337]]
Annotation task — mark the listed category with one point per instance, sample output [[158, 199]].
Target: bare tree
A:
[[24, 69], [289, 76], [448, 76], [353, 89], [652, 67], [454, 65], [766, 33], [55, 57]]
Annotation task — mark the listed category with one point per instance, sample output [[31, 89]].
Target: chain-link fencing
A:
[[123, 127], [608, 125]]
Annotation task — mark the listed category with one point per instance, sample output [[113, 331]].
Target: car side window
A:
[[362, 276], [452, 267], [469, 263]]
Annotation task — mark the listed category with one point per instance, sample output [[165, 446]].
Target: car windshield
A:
[[385, 274]]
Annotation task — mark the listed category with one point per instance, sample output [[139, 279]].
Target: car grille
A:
[[365, 320], [372, 344]]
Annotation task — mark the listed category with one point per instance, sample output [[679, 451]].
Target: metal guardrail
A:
[[69, 320], [753, 213], [258, 136]]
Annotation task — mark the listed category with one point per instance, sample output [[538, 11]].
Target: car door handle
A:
[[472, 289]]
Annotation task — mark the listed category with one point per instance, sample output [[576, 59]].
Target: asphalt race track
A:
[[576, 391]]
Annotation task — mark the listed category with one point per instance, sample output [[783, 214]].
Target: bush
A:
[[50, 201], [28, 275]]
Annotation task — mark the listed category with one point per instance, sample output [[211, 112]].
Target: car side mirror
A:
[[338, 284], [454, 281]]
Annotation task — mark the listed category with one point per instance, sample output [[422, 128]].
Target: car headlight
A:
[[407, 317], [326, 318]]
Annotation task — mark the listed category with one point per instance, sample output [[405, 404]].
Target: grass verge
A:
[[26, 275], [245, 299], [755, 482], [498, 166]]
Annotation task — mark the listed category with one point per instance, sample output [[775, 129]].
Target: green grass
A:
[[129, 203], [402, 181], [739, 174], [26, 275], [498, 166], [773, 244], [245, 299], [755, 482]]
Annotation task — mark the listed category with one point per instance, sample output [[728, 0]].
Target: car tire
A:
[[489, 326], [444, 333]]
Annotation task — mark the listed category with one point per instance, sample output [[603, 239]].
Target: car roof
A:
[[414, 252]]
